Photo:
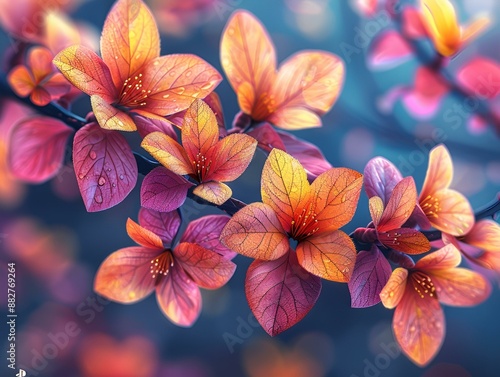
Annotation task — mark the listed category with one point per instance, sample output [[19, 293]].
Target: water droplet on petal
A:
[[412, 329], [81, 176], [93, 155], [98, 199], [171, 73], [114, 184], [207, 86], [121, 177], [188, 73], [344, 198], [166, 96], [101, 181], [180, 90]]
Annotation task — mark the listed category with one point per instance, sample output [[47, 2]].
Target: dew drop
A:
[[114, 184], [412, 329], [93, 155], [138, 56], [172, 73], [344, 198], [188, 73], [121, 177], [180, 90], [80, 176], [101, 181], [98, 199], [177, 108], [166, 96]]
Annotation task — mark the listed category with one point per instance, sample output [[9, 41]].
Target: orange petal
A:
[[40, 62], [400, 206], [439, 171], [449, 211], [474, 29], [445, 258], [329, 255], [231, 156], [213, 192], [60, 32], [142, 236], [199, 130], [206, 268], [173, 82], [85, 70], [409, 241], [255, 231], [395, 288], [309, 80], [419, 327], [335, 197], [284, 186], [485, 235], [179, 298], [129, 39], [460, 287], [109, 117], [21, 81], [167, 152], [125, 276], [376, 206], [248, 58], [441, 23], [294, 118], [40, 97]]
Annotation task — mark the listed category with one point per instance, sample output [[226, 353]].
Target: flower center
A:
[[132, 93], [305, 224], [202, 166], [430, 206], [423, 284], [161, 265]]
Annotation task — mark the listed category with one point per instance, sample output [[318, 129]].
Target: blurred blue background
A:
[[58, 246]]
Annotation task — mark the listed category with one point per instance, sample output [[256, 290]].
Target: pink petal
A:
[[37, 148], [380, 178], [413, 26], [163, 190], [280, 292], [480, 77], [267, 137], [147, 125], [104, 165], [206, 268], [309, 155], [421, 107], [206, 231], [371, 274], [179, 297], [164, 224], [389, 50]]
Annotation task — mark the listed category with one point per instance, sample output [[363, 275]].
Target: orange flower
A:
[[131, 78], [446, 209], [202, 155], [442, 26], [305, 86], [481, 245], [418, 323], [38, 79], [292, 208], [175, 273]]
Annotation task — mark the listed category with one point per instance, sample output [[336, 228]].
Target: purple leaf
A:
[[37, 148], [164, 191], [104, 166], [280, 292], [381, 176], [370, 275], [164, 224], [267, 137], [388, 51], [308, 154], [205, 232], [146, 126]]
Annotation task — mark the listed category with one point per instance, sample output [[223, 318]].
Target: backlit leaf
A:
[[407, 240], [380, 177], [164, 224], [104, 165], [400, 206], [280, 292], [214, 192], [143, 236], [168, 152], [37, 148]]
